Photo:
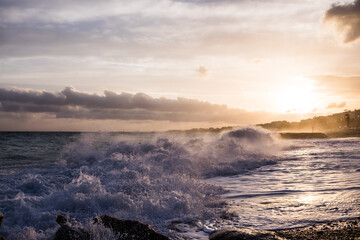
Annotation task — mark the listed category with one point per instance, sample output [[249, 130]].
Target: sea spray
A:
[[152, 178]]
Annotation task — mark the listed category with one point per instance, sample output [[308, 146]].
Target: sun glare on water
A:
[[308, 198], [297, 97]]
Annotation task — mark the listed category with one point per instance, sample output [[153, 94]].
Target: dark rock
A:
[[66, 232], [242, 234], [181, 226], [342, 229], [228, 215], [129, 229], [62, 219], [1, 218], [70, 233]]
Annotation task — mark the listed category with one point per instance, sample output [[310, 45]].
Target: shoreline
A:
[[301, 135], [339, 229], [344, 229], [350, 133]]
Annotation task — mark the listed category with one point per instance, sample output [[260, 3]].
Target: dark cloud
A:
[[70, 103], [30, 96], [110, 100], [29, 108], [347, 19], [213, 2], [219, 2], [336, 105]]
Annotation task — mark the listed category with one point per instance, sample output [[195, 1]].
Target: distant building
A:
[[347, 119]]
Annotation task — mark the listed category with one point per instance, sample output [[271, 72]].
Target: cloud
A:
[[336, 105], [256, 60], [74, 104], [346, 18], [202, 70], [110, 100], [132, 28], [345, 86]]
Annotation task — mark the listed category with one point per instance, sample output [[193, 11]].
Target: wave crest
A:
[[153, 179]]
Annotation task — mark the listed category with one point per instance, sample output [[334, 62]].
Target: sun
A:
[[297, 97]]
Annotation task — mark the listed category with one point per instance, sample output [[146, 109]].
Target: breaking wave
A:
[[155, 179]]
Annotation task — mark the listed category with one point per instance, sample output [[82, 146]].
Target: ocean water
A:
[[184, 184]]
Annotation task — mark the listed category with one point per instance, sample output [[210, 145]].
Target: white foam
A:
[[154, 180]]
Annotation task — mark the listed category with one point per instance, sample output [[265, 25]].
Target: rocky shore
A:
[[134, 230], [345, 230], [123, 229], [1, 218]]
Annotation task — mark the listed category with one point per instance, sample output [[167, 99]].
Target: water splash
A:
[[154, 179]]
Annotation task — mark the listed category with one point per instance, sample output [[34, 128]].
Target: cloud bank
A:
[[336, 105], [347, 20], [74, 104]]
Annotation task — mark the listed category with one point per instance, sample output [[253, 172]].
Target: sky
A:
[[88, 65]]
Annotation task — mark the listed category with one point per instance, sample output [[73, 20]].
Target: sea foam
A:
[[155, 179]]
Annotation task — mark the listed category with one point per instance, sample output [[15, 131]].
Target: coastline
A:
[[289, 134], [301, 135], [345, 229], [341, 229], [346, 133]]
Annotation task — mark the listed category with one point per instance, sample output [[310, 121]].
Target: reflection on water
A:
[[308, 199], [319, 180]]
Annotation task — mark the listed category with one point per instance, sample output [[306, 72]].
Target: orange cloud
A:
[[336, 105], [202, 70]]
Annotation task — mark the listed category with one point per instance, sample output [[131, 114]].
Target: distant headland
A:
[[344, 124]]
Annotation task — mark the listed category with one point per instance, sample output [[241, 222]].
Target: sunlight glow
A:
[[297, 97], [308, 198]]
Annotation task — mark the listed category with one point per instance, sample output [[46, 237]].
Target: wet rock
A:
[[129, 229], [242, 234], [66, 232], [183, 227], [342, 229], [62, 219], [1, 218], [70, 233]]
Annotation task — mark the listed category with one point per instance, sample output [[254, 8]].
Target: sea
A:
[[184, 184]]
